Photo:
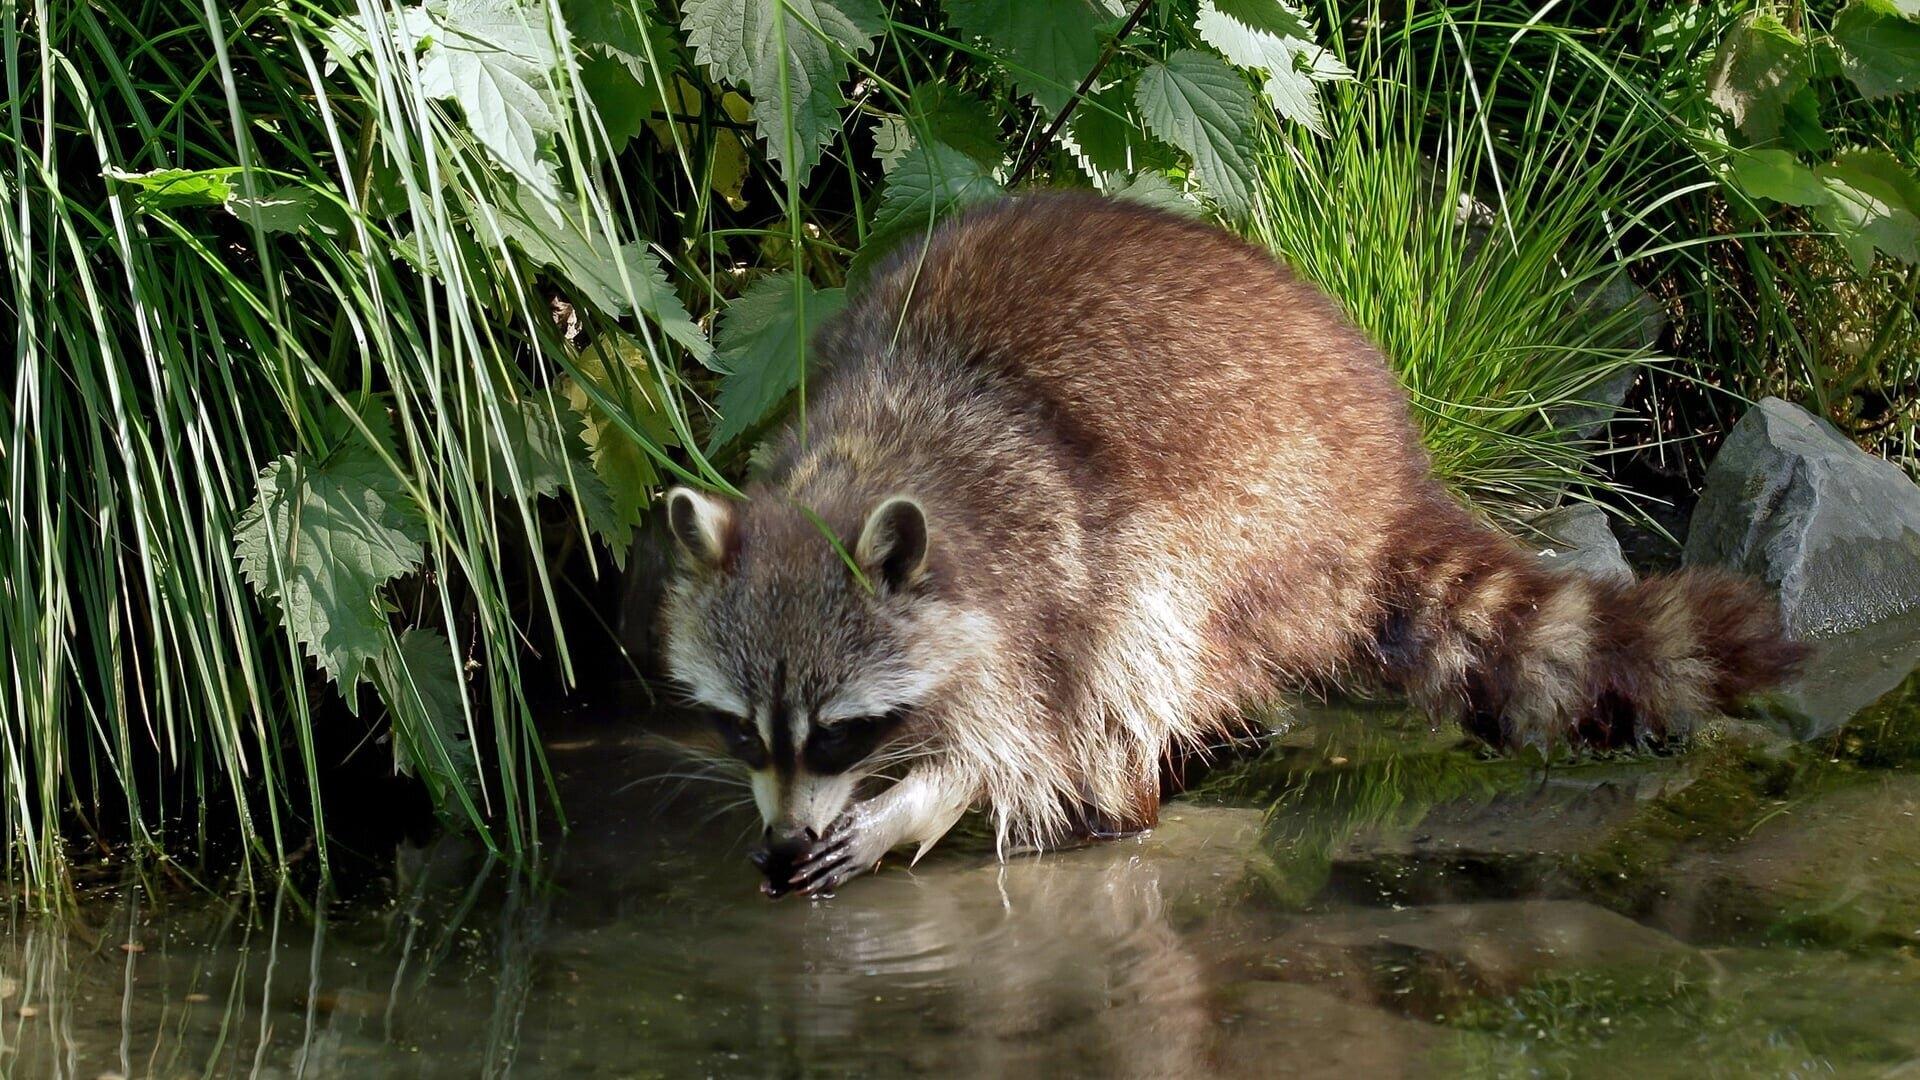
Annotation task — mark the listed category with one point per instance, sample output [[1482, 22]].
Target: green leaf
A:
[[496, 59], [931, 181], [892, 138], [942, 114], [1879, 50], [1247, 34], [1151, 188], [419, 679], [1105, 135], [619, 98], [1200, 105], [606, 273], [1048, 45], [287, 209], [792, 55], [548, 457], [617, 366], [762, 342], [318, 543], [1875, 203], [1776, 175], [164, 189], [1759, 67]]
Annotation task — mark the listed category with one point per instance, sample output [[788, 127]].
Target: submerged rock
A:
[[1492, 945], [1833, 528], [1840, 868], [1578, 538]]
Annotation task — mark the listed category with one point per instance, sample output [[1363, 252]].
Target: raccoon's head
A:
[[808, 670]]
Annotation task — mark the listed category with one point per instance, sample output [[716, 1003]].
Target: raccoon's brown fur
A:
[[1161, 478]]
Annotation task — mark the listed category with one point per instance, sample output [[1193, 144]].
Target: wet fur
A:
[[1164, 479]]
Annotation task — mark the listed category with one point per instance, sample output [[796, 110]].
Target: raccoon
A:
[[1078, 482]]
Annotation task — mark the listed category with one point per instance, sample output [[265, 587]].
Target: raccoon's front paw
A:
[[852, 846]]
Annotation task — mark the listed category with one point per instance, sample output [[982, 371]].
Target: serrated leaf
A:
[[1200, 105], [1879, 49], [931, 181], [285, 209], [1105, 135], [1154, 189], [419, 679], [496, 60], [617, 367], [617, 29], [163, 189], [1776, 175], [761, 347], [784, 51], [605, 273], [619, 98], [892, 138], [1268, 38], [1048, 45], [943, 114], [547, 457], [1759, 66], [319, 542], [1874, 204]]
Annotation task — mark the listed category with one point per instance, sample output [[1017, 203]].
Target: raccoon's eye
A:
[[840, 746], [742, 738]]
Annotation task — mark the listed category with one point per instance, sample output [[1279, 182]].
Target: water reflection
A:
[[1412, 908]]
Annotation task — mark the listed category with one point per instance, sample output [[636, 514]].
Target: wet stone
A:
[[1481, 947], [1579, 539], [1315, 1033], [1841, 867], [1836, 530]]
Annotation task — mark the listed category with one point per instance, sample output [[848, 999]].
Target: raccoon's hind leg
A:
[[919, 809]]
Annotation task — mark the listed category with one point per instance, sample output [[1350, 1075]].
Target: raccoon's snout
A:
[[781, 856]]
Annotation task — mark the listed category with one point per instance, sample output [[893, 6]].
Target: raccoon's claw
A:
[[823, 869]]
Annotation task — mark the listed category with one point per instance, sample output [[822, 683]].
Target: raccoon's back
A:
[[1165, 349]]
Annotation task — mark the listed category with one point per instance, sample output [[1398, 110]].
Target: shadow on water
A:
[[1365, 896]]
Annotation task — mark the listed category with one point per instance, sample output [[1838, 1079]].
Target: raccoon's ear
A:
[[702, 526], [893, 542]]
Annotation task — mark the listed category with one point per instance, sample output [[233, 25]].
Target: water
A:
[[1412, 907]]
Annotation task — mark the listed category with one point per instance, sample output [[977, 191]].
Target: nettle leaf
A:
[[1152, 188], [1759, 67], [496, 59], [762, 342], [164, 189], [939, 113], [792, 55], [547, 457], [607, 273], [287, 209], [617, 367], [419, 678], [616, 29], [1875, 203], [1048, 45], [1879, 49], [1265, 37], [620, 98], [1776, 175], [932, 180], [1104, 134], [1203, 107], [317, 544]]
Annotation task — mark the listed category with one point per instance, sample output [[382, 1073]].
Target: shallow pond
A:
[[1409, 907]]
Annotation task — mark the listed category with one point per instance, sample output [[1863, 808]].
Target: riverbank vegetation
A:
[[353, 341]]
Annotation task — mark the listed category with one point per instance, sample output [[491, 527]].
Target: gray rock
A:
[[1836, 530], [1578, 538], [1501, 943]]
